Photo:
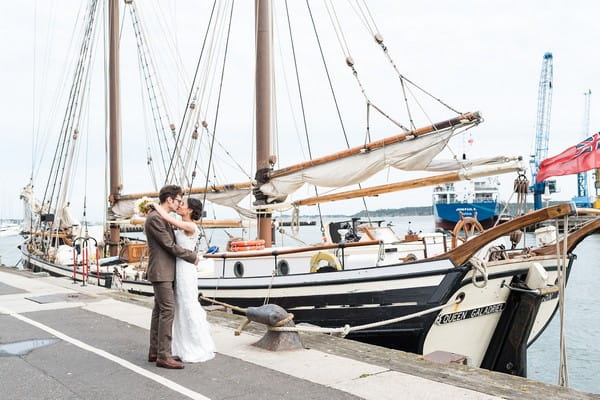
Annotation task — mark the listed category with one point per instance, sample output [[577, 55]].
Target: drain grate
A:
[[59, 297]]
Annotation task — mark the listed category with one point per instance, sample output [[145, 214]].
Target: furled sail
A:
[[465, 171], [228, 196], [411, 151]]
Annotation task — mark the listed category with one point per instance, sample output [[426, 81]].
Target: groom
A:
[[161, 272]]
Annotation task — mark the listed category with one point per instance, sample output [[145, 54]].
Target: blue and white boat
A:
[[476, 199]]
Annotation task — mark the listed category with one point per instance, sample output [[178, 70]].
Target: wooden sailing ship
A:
[[486, 298]]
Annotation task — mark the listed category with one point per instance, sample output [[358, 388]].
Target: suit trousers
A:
[[161, 326]]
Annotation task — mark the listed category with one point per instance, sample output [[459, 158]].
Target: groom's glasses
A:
[[178, 201]]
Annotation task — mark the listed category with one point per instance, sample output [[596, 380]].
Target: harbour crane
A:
[[583, 199], [542, 132]]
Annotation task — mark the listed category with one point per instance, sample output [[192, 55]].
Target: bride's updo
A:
[[196, 206]]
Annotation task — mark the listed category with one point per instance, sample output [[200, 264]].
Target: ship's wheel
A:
[[465, 228]]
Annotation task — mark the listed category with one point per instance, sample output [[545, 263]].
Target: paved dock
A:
[[59, 340]]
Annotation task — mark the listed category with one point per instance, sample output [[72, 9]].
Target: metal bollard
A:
[[273, 315]]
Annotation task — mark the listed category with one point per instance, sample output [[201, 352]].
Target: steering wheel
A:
[[465, 228]]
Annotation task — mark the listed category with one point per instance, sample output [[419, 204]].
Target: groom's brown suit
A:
[[161, 272]]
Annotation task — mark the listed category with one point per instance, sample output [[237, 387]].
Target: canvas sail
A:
[[413, 154]]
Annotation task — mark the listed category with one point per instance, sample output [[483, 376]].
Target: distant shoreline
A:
[[510, 209]]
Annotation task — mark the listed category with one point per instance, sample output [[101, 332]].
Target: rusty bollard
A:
[[273, 315]]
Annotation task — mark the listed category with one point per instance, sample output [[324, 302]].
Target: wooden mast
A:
[[263, 108], [114, 118]]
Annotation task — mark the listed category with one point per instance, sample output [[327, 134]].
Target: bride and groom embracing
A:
[[179, 330]]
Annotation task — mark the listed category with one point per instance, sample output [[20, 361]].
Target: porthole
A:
[[283, 267], [238, 269]]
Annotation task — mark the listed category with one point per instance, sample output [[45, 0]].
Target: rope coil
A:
[[479, 266]]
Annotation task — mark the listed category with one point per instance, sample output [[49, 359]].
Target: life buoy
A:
[[247, 245], [332, 261], [258, 242], [247, 248]]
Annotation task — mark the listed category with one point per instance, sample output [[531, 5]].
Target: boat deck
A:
[[99, 343]]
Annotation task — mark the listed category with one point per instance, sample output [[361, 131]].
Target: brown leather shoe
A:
[[152, 357], [168, 363]]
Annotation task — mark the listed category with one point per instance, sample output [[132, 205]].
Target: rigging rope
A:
[[153, 89], [302, 107], [561, 270], [170, 170], [335, 101], [209, 164], [54, 194]]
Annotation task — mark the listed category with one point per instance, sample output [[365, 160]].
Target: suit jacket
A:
[[162, 249]]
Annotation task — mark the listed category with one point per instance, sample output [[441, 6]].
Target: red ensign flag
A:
[[579, 158]]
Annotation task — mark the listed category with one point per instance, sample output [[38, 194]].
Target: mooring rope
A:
[[342, 331], [346, 329]]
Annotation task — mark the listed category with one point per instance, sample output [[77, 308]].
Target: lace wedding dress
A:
[[191, 331]]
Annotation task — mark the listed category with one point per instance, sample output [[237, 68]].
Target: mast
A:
[[263, 111], [114, 118]]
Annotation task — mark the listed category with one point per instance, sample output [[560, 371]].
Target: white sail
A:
[[413, 154]]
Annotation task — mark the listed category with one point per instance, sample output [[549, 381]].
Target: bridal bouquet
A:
[[143, 206]]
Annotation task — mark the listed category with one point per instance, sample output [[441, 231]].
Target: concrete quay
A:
[[98, 342]]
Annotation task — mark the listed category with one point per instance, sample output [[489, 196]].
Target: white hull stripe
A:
[[350, 288]]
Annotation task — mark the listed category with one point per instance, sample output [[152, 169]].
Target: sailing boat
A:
[[485, 296]]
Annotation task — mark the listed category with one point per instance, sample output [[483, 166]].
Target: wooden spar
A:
[[376, 190], [114, 119], [263, 106], [472, 118], [219, 188], [206, 223], [462, 253], [404, 185], [277, 252], [220, 223]]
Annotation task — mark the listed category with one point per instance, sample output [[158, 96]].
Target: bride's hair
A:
[[196, 206]]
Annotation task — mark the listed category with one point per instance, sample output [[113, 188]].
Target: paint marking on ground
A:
[[124, 363]]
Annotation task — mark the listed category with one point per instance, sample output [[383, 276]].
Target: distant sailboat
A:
[[9, 229], [461, 298]]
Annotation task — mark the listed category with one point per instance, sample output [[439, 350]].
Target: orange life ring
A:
[[247, 248], [246, 243]]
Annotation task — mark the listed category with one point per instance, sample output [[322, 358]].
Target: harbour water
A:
[[582, 320]]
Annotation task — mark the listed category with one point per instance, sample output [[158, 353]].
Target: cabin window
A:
[[238, 269], [283, 267]]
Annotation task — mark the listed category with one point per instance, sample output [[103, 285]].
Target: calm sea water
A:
[[582, 321]]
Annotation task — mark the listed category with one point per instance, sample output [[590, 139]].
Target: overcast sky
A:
[[475, 55]]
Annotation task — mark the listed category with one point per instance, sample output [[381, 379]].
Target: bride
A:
[[191, 336]]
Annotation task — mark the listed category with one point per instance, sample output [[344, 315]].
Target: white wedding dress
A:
[[191, 331]]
